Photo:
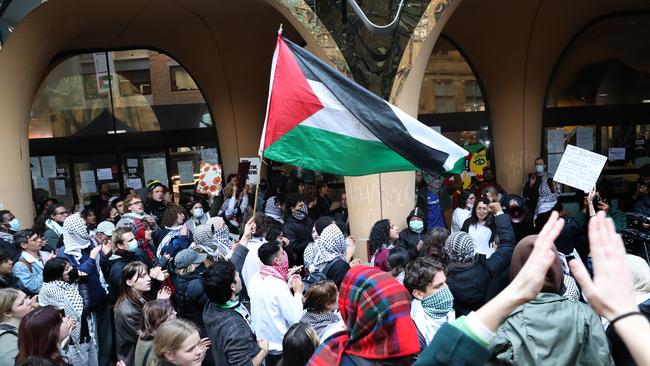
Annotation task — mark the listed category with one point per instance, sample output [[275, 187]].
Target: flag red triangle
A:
[[292, 99]]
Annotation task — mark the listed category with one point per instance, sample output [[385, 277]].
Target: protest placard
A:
[[579, 168]]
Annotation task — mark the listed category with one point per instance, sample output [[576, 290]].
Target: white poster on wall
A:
[[186, 171], [88, 184], [35, 166], [253, 172], [616, 153], [132, 163], [135, 183], [579, 168], [104, 174], [49, 166], [42, 183], [59, 187], [155, 169]]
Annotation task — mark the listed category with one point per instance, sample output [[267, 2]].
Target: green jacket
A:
[[618, 216], [551, 330], [452, 346]]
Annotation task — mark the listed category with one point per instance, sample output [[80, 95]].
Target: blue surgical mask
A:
[[539, 168], [14, 224], [198, 212], [416, 225], [132, 246]]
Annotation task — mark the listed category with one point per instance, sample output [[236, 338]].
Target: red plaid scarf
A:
[[377, 312], [280, 271], [138, 230]]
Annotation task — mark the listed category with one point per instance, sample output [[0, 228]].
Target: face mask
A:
[[132, 245], [439, 304], [299, 215], [416, 225], [14, 224], [198, 212], [539, 168]]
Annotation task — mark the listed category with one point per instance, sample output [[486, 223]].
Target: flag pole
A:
[[260, 151]]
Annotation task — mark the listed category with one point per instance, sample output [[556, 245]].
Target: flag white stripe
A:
[[334, 117]]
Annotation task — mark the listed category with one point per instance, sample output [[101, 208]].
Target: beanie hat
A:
[[153, 184], [460, 247]]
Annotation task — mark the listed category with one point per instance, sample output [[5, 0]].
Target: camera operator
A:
[[596, 201]]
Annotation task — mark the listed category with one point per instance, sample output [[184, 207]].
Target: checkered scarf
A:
[[66, 296], [75, 235], [377, 312], [460, 247], [216, 244], [272, 210], [138, 227], [330, 244]]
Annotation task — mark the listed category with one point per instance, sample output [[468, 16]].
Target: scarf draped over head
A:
[[640, 277], [213, 239], [434, 183], [460, 247], [330, 244], [376, 310], [139, 228], [75, 235], [273, 211], [554, 276]]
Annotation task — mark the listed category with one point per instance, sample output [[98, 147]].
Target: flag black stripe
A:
[[372, 111]]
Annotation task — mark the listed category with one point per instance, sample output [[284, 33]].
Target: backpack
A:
[[24, 289], [319, 276]]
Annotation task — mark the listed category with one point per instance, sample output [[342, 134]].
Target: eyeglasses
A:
[[136, 203], [61, 212]]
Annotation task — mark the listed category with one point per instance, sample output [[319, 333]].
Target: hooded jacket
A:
[[408, 239]]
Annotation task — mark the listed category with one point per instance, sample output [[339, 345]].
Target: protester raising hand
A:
[[530, 279], [610, 292]]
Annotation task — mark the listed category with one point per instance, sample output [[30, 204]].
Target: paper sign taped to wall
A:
[[59, 187], [88, 184], [579, 168], [209, 179], [155, 169]]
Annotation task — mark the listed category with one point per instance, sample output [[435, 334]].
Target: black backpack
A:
[[319, 276]]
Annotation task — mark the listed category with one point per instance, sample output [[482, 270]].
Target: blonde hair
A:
[[7, 298], [171, 335]]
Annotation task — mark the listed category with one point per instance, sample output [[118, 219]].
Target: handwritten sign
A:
[[579, 168]]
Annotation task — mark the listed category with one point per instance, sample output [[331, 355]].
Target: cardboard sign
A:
[[579, 168]]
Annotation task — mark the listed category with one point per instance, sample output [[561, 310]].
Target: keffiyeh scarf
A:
[[75, 235], [281, 271], [273, 211], [320, 321], [330, 244], [173, 231], [54, 226], [216, 244], [376, 310], [66, 296]]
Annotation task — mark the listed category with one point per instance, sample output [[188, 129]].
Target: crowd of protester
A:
[[475, 277]]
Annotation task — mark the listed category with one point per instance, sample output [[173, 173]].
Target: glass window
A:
[[181, 79], [606, 64], [449, 84], [109, 93]]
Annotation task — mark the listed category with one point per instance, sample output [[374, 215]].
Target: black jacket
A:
[[155, 208], [322, 207], [531, 194], [299, 235], [190, 299], [475, 283], [115, 275], [620, 353], [409, 239]]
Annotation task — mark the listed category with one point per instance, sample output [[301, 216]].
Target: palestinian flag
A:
[[319, 119]]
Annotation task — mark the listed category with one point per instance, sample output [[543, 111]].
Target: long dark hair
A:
[[464, 196], [379, 235], [126, 291], [489, 219], [38, 335]]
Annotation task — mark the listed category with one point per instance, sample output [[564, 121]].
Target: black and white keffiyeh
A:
[[330, 244], [66, 296], [75, 235], [215, 242]]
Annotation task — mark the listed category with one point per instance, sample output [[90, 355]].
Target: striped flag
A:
[[321, 120]]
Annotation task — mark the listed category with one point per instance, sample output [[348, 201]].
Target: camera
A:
[[636, 237]]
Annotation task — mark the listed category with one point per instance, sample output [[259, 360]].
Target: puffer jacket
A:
[[190, 299], [473, 284]]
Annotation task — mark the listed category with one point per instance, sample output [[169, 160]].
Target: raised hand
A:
[[164, 293], [610, 292]]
